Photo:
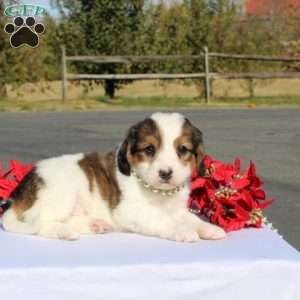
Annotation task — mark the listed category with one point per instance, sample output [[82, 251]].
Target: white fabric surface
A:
[[249, 264]]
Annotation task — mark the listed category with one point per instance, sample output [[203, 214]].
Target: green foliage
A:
[[144, 27], [101, 27]]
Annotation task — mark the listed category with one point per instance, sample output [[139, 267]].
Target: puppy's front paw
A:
[[184, 235], [68, 234], [99, 226], [211, 232]]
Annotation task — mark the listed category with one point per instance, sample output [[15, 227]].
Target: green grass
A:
[[150, 102], [262, 101], [101, 103], [196, 102]]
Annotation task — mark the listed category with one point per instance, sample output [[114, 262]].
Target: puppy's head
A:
[[162, 150]]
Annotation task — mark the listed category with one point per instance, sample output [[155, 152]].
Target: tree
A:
[[144, 27], [101, 27]]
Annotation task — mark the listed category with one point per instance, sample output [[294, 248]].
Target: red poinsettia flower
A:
[[19, 170], [228, 197], [10, 179]]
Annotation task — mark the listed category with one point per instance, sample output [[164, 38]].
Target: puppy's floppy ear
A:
[[197, 141], [123, 163], [202, 169]]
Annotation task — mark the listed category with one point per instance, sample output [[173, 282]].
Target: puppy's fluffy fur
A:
[[67, 196]]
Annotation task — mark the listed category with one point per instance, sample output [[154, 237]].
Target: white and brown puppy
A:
[[141, 187]]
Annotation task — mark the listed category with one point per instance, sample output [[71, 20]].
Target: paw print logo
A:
[[24, 32]]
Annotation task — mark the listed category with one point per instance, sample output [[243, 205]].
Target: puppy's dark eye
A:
[[182, 150], [149, 150]]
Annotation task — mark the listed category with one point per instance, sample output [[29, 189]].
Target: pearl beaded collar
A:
[[170, 192]]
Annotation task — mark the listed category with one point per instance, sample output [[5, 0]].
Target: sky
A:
[[53, 12], [44, 3]]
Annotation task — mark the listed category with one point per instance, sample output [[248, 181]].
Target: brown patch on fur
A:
[[191, 138], [187, 157], [101, 170], [146, 134], [25, 194], [133, 149]]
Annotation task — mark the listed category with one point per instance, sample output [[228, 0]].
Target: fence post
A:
[[207, 80], [63, 73], [251, 88]]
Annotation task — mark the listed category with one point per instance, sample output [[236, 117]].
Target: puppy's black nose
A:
[[165, 174]]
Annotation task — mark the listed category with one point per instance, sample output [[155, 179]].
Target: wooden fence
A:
[[207, 76]]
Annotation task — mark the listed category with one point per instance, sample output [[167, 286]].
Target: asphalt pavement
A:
[[269, 137]]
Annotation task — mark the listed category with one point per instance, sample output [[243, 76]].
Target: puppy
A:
[[142, 187]]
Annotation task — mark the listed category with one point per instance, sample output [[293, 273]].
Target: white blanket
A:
[[250, 264]]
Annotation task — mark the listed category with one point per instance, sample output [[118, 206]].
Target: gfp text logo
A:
[[25, 10]]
